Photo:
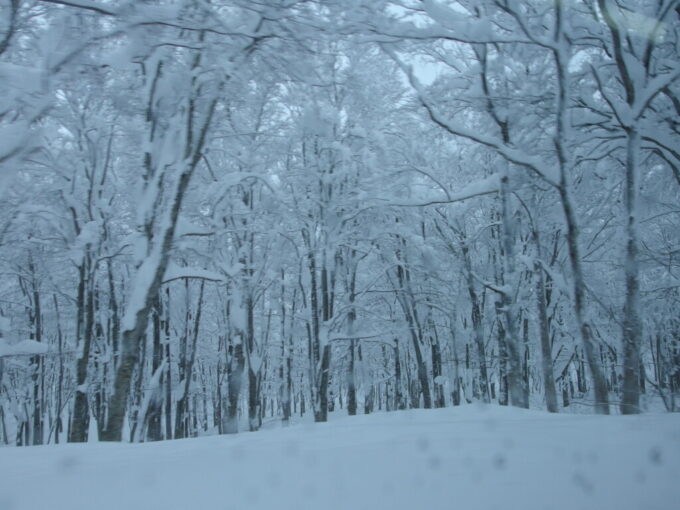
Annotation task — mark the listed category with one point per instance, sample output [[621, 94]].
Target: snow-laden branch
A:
[[513, 155], [85, 5], [487, 186], [503, 290], [23, 348], [653, 89], [175, 272]]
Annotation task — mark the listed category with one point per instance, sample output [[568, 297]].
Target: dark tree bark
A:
[[80, 419], [154, 412], [182, 418]]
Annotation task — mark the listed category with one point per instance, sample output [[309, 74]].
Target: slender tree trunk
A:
[[503, 387], [477, 326], [165, 327], [599, 380], [632, 324], [351, 383], [80, 420], [60, 377], [546, 345], [37, 363], [254, 372], [408, 305], [137, 393], [324, 374], [234, 384], [519, 393], [439, 400], [285, 368], [154, 412], [182, 419], [399, 401]]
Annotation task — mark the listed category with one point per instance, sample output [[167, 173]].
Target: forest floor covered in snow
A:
[[471, 457]]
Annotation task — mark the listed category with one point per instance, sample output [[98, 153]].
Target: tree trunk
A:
[[351, 383], [81, 413], [561, 139], [155, 410], [182, 419], [546, 347], [632, 324], [477, 326], [235, 381]]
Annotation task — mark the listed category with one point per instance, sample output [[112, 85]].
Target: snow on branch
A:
[[513, 155], [653, 88], [175, 272], [23, 348], [83, 4], [503, 290], [482, 187]]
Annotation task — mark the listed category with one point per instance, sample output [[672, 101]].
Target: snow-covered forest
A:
[[216, 215]]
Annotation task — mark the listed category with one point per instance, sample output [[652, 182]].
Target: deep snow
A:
[[473, 457]]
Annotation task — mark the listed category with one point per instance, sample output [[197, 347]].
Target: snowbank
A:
[[459, 458]]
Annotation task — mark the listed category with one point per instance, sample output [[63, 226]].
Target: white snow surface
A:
[[467, 457], [25, 347]]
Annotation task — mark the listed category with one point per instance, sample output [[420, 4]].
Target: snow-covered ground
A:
[[463, 458]]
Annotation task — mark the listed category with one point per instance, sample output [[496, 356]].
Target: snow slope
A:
[[457, 458]]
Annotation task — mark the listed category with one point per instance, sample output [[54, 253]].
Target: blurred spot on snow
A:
[[655, 455], [499, 461], [423, 444], [581, 481], [434, 462], [68, 464]]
